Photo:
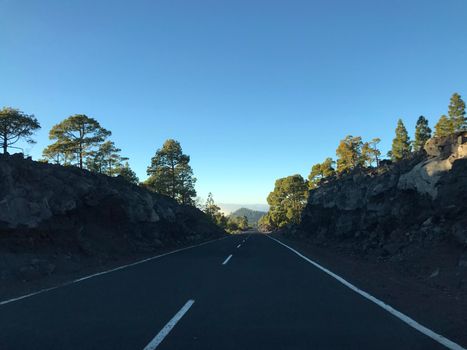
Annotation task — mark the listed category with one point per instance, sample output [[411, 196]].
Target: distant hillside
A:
[[228, 208], [252, 215]]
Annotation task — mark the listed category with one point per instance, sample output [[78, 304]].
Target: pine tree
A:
[[128, 174], [422, 133], [106, 160], [349, 153], [213, 211], [319, 172], [77, 135], [444, 127], [456, 113], [375, 152], [370, 153], [186, 189], [243, 223], [401, 147], [15, 126], [210, 208], [170, 173], [287, 201], [59, 153]]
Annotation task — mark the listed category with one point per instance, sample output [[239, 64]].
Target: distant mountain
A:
[[228, 208], [252, 215]]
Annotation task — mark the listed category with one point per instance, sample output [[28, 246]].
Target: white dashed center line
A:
[[168, 327], [227, 260]]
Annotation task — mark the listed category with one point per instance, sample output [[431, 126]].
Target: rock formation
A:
[[385, 209], [56, 219]]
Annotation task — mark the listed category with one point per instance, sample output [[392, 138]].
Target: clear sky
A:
[[254, 90]]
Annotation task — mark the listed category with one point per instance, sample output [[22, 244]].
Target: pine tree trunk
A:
[[5, 147], [81, 134], [173, 180], [80, 157]]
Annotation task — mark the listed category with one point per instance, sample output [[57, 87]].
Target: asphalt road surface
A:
[[241, 292]]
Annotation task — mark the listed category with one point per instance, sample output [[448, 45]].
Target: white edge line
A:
[[227, 260], [239, 246], [404, 318], [105, 272], [168, 327]]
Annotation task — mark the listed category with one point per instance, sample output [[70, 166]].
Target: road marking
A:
[[227, 260], [239, 246], [404, 318], [105, 272], [168, 327]]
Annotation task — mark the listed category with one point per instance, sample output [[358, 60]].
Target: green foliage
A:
[[237, 223], [75, 137], [231, 224], [243, 223], [444, 127], [353, 153], [371, 153], [287, 201], [456, 113], [128, 174], [401, 146], [265, 223], [349, 154], [214, 212], [170, 173], [210, 208], [455, 121], [58, 153], [15, 126], [422, 133], [319, 172], [106, 160]]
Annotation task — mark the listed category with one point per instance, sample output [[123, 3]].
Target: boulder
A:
[[454, 145]]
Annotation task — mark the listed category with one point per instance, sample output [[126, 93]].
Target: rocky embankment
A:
[[57, 222], [412, 213], [399, 232]]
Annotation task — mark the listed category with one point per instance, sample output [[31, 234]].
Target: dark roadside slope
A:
[[58, 223], [399, 231]]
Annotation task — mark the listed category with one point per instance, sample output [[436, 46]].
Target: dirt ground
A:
[[28, 265]]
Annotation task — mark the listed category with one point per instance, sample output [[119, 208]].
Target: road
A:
[[241, 292]]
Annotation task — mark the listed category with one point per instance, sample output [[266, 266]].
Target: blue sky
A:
[[254, 90]]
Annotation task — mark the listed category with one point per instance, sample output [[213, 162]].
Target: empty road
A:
[[241, 292]]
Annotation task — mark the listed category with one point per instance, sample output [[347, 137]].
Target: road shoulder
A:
[[432, 307]]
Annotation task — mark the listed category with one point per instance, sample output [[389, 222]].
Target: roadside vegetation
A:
[[290, 193], [230, 223], [80, 141]]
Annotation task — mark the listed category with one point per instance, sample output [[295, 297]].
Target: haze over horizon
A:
[[253, 90]]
